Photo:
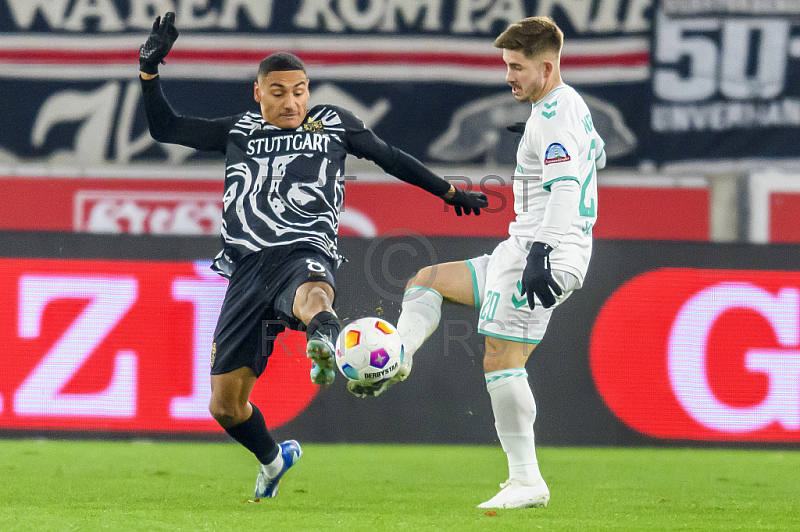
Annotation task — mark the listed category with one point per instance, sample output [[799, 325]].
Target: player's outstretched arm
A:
[[469, 201], [165, 125], [158, 44], [362, 142]]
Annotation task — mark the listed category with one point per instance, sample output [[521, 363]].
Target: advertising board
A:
[[668, 343]]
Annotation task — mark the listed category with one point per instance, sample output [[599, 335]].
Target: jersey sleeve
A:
[[600, 154], [168, 126], [558, 147], [565, 196], [360, 141]]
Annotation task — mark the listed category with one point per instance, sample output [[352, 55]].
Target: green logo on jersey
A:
[[519, 169], [518, 303], [552, 113]]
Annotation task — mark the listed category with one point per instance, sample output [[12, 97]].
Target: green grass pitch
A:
[[80, 485]]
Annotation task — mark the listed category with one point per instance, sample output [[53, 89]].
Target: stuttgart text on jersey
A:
[[284, 186], [296, 142]]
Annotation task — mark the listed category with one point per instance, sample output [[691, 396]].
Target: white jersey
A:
[[559, 143]]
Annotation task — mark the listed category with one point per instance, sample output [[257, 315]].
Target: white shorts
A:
[[504, 311]]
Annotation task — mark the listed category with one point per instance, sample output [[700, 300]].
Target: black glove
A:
[[158, 45], [470, 202], [537, 278]]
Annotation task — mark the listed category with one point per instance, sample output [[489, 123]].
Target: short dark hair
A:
[[280, 62], [532, 36]]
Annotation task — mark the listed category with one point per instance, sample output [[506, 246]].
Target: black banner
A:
[[726, 80], [412, 17], [671, 80], [100, 122], [423, 74]]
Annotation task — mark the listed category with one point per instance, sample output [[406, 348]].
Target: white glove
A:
[[360, 389]]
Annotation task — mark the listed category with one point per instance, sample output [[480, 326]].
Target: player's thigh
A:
[[453, 280], [235, 385], [238, 336], [505, 354]]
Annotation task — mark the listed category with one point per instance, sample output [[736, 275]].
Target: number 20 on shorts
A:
[[490, 305]]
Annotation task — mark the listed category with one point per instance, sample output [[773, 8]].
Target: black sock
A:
[[253, 434], [325, 322]]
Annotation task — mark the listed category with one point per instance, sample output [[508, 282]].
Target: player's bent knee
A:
[[319, 294], [227, 413], [423, 277], [310, 299]]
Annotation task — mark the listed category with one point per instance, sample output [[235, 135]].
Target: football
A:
[[369, 350]]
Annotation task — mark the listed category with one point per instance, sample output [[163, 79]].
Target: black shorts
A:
[[258, 304]]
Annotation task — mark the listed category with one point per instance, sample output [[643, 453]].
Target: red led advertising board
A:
[[702, 351], [101, 345], [713, 355]]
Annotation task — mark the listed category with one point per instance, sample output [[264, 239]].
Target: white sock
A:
[[422, 309], [514, 413], [273, 468]]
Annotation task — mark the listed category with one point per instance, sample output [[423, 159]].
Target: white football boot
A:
[[267, 487], [517, 495]]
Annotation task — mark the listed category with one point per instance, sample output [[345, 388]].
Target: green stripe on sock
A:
[[494, 376], [418, 288]]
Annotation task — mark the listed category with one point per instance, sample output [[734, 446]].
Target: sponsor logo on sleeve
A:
[[556, 153]]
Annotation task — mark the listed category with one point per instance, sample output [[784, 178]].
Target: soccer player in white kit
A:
[[545, 257]]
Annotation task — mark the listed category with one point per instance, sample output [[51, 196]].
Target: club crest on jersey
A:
[[313, 126], [556, 153]]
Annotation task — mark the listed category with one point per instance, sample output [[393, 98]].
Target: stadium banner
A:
[[668, 343], [191, 206], [726, 80], [423, 74]]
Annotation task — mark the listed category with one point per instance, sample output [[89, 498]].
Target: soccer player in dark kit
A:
[[284, 188]]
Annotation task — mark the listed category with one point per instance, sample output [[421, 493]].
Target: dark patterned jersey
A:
[[286, 186], [282, 186]]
